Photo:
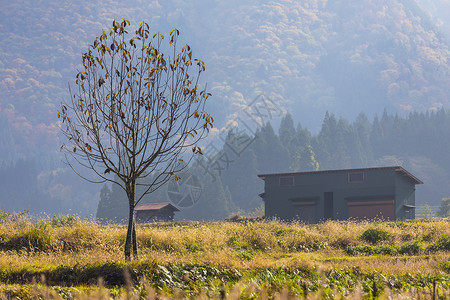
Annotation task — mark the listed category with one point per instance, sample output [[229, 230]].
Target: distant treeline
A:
[[26, 185], [227, 178]]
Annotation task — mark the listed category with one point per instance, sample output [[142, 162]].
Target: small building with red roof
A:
[[155, 212]]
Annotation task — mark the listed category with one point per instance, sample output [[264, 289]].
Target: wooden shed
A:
[[385, 193], [155, 212]]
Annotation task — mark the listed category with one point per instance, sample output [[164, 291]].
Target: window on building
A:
[[356, 177], [287, 181]]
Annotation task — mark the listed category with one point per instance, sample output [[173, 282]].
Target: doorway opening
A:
[[328, 206]]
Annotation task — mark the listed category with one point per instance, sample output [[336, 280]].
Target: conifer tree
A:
[[105, 205], [240, 175], [272, 156]]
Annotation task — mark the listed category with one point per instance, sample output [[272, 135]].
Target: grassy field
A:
[[64, 257]]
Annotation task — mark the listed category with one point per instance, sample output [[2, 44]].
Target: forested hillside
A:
[[344, 56], [437, 11]]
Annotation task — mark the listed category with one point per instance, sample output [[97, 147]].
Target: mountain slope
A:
[[344, 56]]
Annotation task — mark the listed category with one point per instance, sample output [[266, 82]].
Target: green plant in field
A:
[[64, 220], [443, 244], [411, 248], [446, 267], [38, 237], [245, 255], [3, 239], [375, 235], [386, 250], [360, 250], [29, 236], [373, 285], [343, 279], [194, 247], [3, 216], [20, 217], [282, 231]]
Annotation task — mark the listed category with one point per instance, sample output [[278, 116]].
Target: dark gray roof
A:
[[395, 168]]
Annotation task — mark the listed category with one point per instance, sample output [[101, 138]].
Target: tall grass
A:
[[251, 244], [71, 252]]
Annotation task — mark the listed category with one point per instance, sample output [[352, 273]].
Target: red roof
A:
[[395, 168], [156, 206]]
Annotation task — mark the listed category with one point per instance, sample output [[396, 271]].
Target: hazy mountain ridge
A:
[[309, 56], [438, 11]]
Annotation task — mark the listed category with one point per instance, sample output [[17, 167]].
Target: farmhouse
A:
[[155, 212], [386, 193]]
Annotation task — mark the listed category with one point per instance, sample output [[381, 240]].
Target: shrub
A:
[[194, 247], [360, 250], [245, 255], [411, 248], [443, 244], [31, 236], [64, 220], [386, 249], [36, 237], [3, 239], [446, 267], [3, 216], [375, 235]]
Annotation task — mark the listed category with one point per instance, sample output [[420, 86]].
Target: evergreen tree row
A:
[[227, 180]]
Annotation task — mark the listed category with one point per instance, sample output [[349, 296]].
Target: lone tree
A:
[[136, 109]]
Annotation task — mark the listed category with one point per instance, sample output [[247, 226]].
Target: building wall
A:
[[405, 192], [146, 216], [377, 185]]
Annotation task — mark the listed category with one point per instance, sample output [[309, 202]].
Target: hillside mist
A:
[[309, 57]]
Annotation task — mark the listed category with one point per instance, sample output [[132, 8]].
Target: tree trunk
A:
[[135, 247], [129, 234], [131, 231]]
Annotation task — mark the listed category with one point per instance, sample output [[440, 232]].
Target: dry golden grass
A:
[[247, 245]]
